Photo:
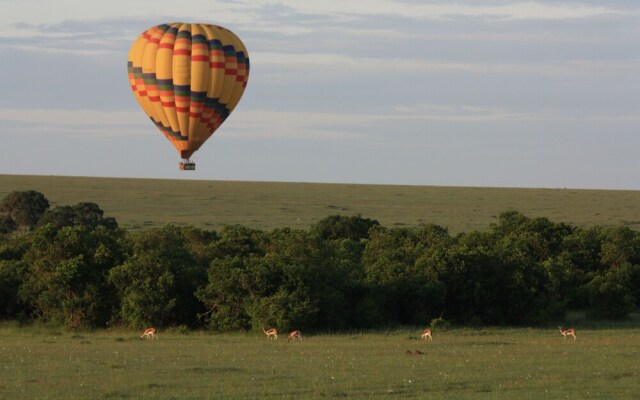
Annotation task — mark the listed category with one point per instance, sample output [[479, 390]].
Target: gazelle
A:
[[427, 334], [570, 332], [271, 333], [295, 335], [149, 333]]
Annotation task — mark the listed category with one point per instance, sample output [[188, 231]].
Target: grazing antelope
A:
[[295, 335], [427, 334], [149, 333], [271, 333], [570, 332]]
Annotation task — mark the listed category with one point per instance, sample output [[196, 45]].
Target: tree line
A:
[[74, 266]]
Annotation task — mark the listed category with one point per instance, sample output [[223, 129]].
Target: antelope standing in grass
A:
[[568, 332], [295, 335], [271, 333], [149, 333]]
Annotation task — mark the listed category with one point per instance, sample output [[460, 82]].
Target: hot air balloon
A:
[[188, 78]]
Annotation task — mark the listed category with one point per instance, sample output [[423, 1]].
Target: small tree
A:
[[24, 208], [88, 215], [342, 227]]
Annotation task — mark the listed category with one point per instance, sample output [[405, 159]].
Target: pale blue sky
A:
[[456, 93]]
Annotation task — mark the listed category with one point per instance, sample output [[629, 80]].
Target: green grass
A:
[[478, 364], [145, 203]]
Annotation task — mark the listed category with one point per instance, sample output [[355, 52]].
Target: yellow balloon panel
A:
[[188, 78]]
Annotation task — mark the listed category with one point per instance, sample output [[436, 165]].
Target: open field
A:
[[491, 364], [144, 203]]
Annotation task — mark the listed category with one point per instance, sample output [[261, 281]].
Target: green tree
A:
[[614, 290], [620, 245], [337, 278], [157, 282], [343, 227], [523, 254], [237, 240], [24, 208], [58, 217], [281, 295], [84, 214], [12, 273], [611, 294], [66, 276], [574, 266], [251, 291], [404, 287], [566, 282], [473, 279], [538, 238], [224, 295]]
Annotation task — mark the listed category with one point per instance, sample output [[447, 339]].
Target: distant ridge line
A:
[[142, 203]]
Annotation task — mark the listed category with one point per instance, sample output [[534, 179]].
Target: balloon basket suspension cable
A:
[[187, 165]]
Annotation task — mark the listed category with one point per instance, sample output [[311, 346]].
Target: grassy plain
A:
[[458, 364], [144, 203]]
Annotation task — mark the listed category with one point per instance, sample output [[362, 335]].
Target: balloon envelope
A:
[[188, 78]]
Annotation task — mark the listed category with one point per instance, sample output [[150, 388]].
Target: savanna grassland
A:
[[145, 203], [42, 361], [457, 364]]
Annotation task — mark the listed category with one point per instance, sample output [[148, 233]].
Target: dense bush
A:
[[72, 265]]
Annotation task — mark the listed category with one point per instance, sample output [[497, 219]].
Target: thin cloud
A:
[[452, 113], [299, 125], [513, 11], [85, 123], [325, 64], [343, 126]]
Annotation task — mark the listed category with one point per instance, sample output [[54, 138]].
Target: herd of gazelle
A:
[[273, 334], [150, 333]]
